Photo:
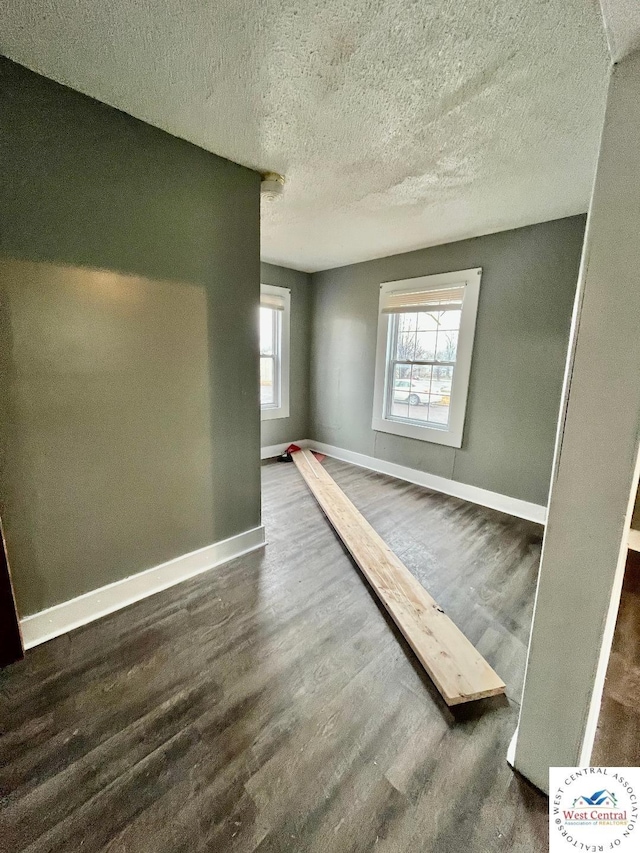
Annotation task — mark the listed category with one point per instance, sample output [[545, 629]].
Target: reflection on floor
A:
[[618, 737], [271, 706]]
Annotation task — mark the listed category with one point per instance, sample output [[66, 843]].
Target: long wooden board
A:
[[457, 669]]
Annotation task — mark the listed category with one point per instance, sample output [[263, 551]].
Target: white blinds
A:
[[404, 301], [272, 300]]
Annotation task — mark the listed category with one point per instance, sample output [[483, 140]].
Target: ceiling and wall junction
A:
[[398, 124]]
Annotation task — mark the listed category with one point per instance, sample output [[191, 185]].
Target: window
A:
[[274, 351], [423, 361]]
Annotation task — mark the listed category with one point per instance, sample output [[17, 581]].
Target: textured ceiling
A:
[[398, 123]]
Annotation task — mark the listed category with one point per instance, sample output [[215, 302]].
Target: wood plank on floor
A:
[[263, 707], [455, 666]]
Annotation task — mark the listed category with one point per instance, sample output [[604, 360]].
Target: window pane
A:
[[400, 391], [442, 378], [427, 321], [267, 395], [407, 322], [422, 374], [420, 387], [439, 409], [440, 395], [447, 346], [421, 393], [449, 320], [266, 331], [425, 346], [410, 392], [406, 346]]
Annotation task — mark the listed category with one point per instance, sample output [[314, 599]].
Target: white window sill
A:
[[449, 437], [272, 414]]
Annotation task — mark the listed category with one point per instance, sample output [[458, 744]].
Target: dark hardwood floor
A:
[[617, 741], [269, 705]]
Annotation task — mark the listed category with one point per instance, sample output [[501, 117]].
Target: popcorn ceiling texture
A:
[[398, 123]]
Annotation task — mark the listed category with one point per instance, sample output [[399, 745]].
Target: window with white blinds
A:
[[273, 301], [274, 351], [435, 300], [425, 341]]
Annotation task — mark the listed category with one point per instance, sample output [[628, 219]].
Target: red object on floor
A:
[[293, 448]]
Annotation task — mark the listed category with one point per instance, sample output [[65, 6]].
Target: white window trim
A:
[[450, 435], [282, 344]]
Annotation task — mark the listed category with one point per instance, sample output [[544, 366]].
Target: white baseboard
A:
[[71, 614], [278, 449], [634, 539], [79, 611], [474, 494], [511, 751]]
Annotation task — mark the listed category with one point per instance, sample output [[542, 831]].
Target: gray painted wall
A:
[[528, 285], [129, 286], [296, 426]]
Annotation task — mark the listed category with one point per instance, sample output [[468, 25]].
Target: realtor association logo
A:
[[600, 798], [600, 809], [602, 820]]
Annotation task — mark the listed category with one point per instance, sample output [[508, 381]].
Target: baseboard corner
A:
[[272, 450]]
